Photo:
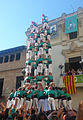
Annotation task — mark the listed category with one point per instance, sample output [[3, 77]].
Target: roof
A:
[[12, 50]]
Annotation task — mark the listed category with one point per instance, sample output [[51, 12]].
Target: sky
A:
[[16, 17]]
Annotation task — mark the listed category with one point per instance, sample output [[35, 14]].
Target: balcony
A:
[[78, 81]]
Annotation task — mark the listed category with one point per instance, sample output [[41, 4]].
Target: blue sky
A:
[[16, 17]]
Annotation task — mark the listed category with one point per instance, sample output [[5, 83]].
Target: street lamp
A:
[[61, 67], [23, 72]]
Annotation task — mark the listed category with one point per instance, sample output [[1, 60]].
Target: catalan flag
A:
[[70, 84]]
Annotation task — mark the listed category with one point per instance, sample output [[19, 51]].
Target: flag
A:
[[53, 29], [70, 84], [71, 24]]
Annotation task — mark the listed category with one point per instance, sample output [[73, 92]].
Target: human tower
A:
[[38, 72], [38, 56]]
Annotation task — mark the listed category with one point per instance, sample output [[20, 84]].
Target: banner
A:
[[71, 24], [70, 84], [79, 78], [53, 29]]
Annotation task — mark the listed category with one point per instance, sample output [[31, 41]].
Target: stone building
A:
[[12, 61], [67, 50]]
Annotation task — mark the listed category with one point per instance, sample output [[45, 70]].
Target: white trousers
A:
[[48, 37], [13, 102], [56, 104], [40, 68], [30, 53], [64, 103], [9, 103], [46, 106], [51, 103], [18, 103], [50, 51], [21, 102], [46, 71], [28, 68], [59, 103], [35, 102], [41, 51], [36, 57], [40, 104], [69, 104], [35, 72], [28, 104]]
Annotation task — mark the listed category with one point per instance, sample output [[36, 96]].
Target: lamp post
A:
[[23, 72], [61, 67]]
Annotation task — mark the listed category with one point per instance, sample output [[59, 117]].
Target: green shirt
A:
[[49, 59], [28, 62], [50, 77], [67, 95], [11, 95], [30, 48], [58, 92], [46, 50], [39, 77], [34, 92], [41, 43], [52, 92], [36, 52], [11, 113], [29, 95], [47, 81], [36, 39], [40, 93], [40, 60], [46, 92], [48, 45], [34, 65], [31, 34], [62, 93], [28, 78], [16, 93], [48, 31], [34, 80], [22, 93]]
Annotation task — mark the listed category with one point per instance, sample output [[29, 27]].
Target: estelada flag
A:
[[70, 84]]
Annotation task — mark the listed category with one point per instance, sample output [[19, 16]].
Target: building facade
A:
[[67, 50], [12, 61]]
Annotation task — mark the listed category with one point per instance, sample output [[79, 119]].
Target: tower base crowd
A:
[[38, 103]]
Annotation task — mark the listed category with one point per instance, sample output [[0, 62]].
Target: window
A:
[[12, 57], [1, 60], [17, 56], [6, 58], [73, 35]]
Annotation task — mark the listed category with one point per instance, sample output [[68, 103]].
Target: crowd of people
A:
[[37, 103], [73, 72]]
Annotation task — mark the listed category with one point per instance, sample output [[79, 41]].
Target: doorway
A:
[[74, 63], [1, 86]]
